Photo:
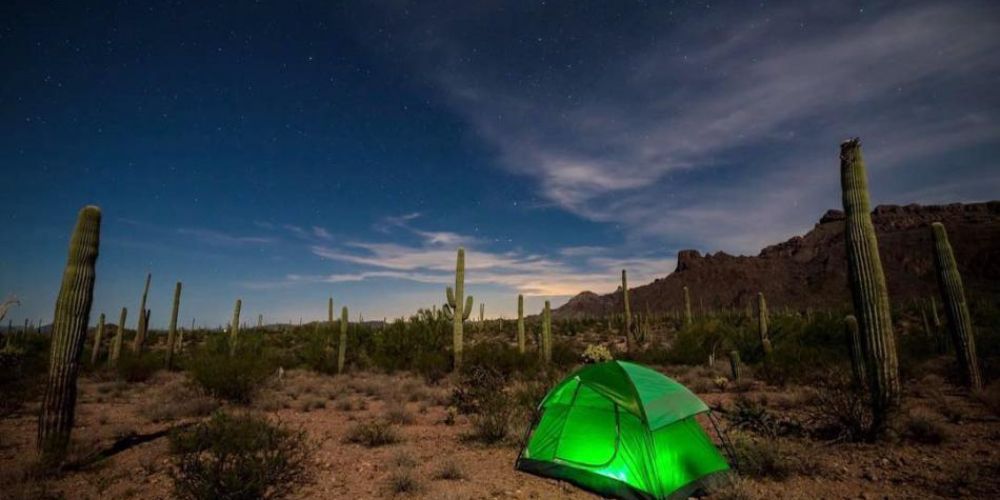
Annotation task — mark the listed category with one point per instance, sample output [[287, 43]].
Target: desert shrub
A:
[[837, 410], [138, 367], [990, 397], [596, 354], [564, 355], [238, 457], [751, 415], [500, 358], [481, 393], [373, 434], [233, 378], [396, 413], [449, 471], [432, 366], [178, 400], [924, 427], [761, 458], [22, 370], [737, 489], [402, 482], [316, 352]]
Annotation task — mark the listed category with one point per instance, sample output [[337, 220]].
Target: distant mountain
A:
[[811, 270]]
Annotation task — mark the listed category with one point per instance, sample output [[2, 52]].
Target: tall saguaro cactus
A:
[[96, 353], [547, 333], [956, 308], [628, 312], [687, 306], [459, 310], [69, 332], [342, 345], [762, 319], [856, 351], [734, 364], [234, 327], [172, 330], [140, 331], [482, 311], [868, 289], [116, 345], [520, 323]]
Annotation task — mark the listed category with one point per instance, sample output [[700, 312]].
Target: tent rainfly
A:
[[623, 430]]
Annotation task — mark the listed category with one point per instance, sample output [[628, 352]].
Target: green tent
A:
[[623, 430]]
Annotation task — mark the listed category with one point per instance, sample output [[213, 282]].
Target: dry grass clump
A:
[[373, 434], [738, 489], [396, 413], [177, 400], [923, 426], [311, 403], [990, 397], [761, 458], [402, 482], [449, 471]]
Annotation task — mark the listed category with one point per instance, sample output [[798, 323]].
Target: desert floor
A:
[[965, 463]]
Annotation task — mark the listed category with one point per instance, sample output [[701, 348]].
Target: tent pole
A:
[[725, 441]]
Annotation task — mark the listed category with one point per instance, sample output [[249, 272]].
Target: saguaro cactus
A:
[[459, 310], [97, 340], [342, 345], [547, 333], [762, 319], [868, 289], [140, 331], [956, 308], [520, 323], [116, 345], [687, 306], [172, 330], [855, 349], [260, 320], [482, 311], [234, 327], [628, 312], [69, 332], [734, 364]]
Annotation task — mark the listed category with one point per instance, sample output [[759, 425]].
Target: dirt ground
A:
[[965, 464]]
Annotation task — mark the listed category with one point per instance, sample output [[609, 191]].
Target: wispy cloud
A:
[[730, 141], [219, 238], [432, 261]]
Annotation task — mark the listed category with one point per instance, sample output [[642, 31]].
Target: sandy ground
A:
[[966, 464]]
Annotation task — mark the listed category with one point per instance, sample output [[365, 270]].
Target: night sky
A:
[[284, 152]]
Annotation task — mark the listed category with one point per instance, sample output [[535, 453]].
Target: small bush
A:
[[482, 395], [449, 471], [923, 427], [396, 413], [138, 367], [596, 354], [838, 410], [373, 434], [752, 415], [761, 458], [238, 457], [402, 482], [233, 378]]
